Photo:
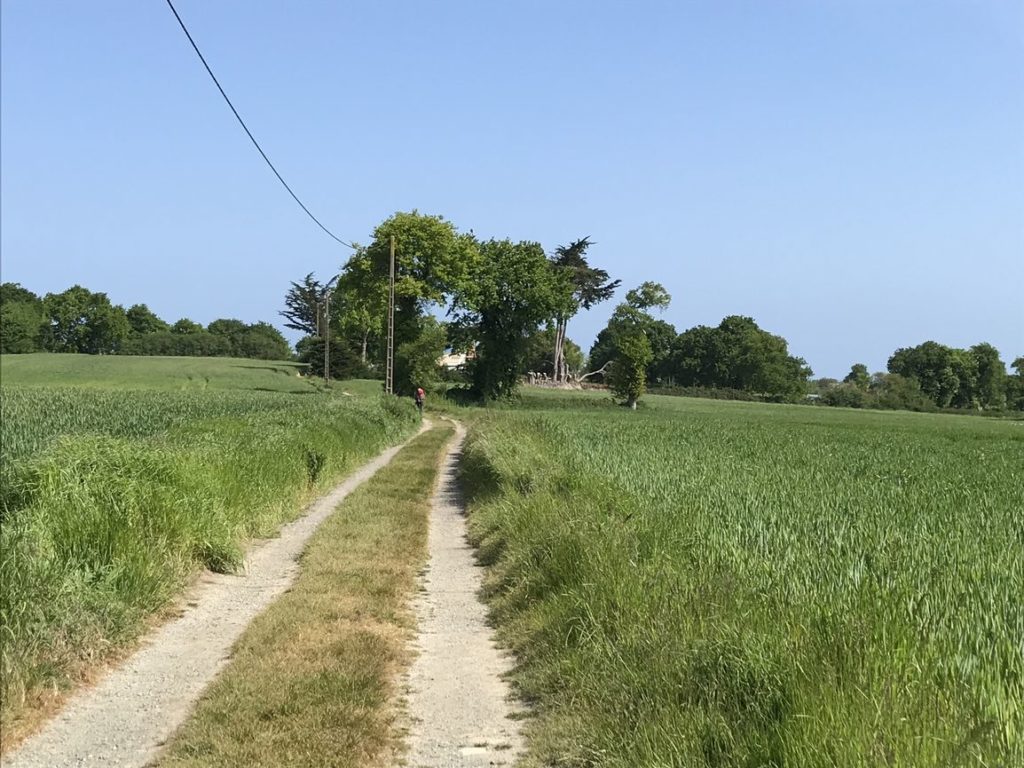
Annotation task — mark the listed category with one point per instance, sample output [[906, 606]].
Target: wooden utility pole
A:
[[389, 370], [327, 338]]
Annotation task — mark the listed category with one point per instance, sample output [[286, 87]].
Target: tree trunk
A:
[[563, 369], [556, 363], [366, 335], [631, 403]]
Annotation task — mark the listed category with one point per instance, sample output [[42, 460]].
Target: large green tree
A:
[[737, 354], [636, 309], [1015, 385], [955, 378], [991, 379], [416, 361], [360, 305], [859, 377], [628, 375], [21, 319], [78, 320], [509, 293], [185, 326], [143, 320], [432, 260], [260, 341], [944, 374], [625, 345]]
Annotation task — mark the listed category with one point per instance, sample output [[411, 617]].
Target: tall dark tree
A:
[[584, 286], [302, 306], [698, 359]]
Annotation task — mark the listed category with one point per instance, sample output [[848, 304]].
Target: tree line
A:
[[510, 304], [932, 376], [87, 322]]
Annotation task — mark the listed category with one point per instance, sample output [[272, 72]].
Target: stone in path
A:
[[459, 703], [130, 714]]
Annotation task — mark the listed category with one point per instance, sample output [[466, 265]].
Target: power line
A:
[[248, 132]]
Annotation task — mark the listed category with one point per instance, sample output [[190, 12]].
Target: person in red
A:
[[420, 397]]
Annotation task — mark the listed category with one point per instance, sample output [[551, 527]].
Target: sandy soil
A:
[[124, 720], [458, 701]]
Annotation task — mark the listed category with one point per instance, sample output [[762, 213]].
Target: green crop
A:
[[112, 499], [725, 584]]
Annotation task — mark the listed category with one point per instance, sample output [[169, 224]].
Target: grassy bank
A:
[[724, 584], [311, 682], [164, 373], [113, 499]]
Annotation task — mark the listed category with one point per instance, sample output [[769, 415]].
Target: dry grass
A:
[[313, 680]]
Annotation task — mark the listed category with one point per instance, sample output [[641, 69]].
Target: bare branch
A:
[[594, 373]]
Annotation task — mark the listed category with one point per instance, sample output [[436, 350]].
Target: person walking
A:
[[420, 396]]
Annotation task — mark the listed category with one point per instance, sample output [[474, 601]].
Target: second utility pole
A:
[[389, 370], [327, 338]]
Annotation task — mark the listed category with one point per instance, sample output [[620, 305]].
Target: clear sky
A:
[[848, 172]]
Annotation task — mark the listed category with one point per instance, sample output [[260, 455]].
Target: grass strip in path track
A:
[[312, 681]]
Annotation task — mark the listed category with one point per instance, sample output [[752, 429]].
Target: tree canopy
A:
[[510, 292], [957, 378], [78, 320]]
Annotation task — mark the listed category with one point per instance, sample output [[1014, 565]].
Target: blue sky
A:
[[848, 172]]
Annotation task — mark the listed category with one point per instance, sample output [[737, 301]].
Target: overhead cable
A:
[[248, 132]]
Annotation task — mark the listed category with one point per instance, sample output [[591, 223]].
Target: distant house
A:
[[456, 360], [452, 361]]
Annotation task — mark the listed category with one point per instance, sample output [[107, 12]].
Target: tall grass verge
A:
[[727, 585], [100, 532]]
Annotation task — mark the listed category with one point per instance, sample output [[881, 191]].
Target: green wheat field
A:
[[698, 583], [122, 477], [730, 584]]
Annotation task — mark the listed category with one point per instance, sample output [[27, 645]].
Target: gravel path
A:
[[458, 700], [124, 720]]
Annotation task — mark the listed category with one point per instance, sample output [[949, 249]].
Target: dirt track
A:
[[458, 700], [125, 719]]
